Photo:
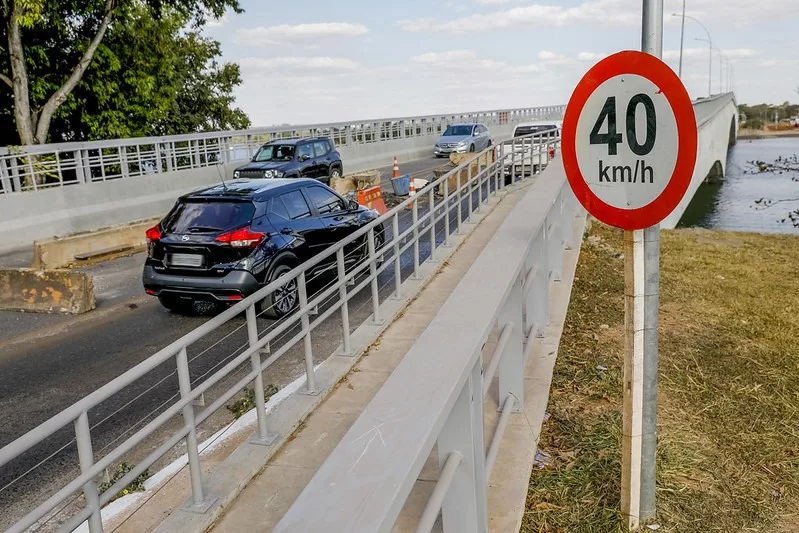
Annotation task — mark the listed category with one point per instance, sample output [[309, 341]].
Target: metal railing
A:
[[506, 290], [35, 167], [354, 266]]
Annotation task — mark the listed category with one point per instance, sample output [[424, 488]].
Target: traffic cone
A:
[[396, 169], [411, 191]]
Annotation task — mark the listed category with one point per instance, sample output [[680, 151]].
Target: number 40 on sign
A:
[[629, 140]]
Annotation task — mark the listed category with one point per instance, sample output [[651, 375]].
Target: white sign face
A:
[[626, 142]]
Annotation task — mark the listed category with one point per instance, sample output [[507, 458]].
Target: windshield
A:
[[457, 131], [274, 152], [527, 130], [208, 217]]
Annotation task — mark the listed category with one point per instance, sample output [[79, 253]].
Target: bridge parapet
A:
[[364, 488]]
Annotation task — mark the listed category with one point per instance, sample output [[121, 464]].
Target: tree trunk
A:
[[19, 78], [33, 126]]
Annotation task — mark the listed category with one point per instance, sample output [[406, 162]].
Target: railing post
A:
[[83, 437], [199, 504], [310, 383], [447, 210], [346, 349], [470, 178], [465, 508], [511, 366], [397, 257], [376, 320], [415, 223], [264, 437], [123, 161], [536, 300], [431, 209], [459, 188]]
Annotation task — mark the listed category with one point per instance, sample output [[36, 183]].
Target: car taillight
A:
[[153, 234], [242, 238]]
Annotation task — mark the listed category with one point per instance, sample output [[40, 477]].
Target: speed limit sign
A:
[[629, 140]]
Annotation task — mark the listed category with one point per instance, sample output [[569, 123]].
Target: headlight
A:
[[267, 173], [235, 174], [462, 144]]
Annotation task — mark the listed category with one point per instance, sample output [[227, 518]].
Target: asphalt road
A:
[[46, 365]]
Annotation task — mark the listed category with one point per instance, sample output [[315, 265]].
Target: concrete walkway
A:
[[266, 499]]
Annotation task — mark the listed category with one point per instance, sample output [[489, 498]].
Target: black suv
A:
[[223, 243], [314, 157]]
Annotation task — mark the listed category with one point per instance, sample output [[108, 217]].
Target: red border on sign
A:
[[656, 71]]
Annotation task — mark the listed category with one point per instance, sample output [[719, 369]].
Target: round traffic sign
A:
[[629, 140]]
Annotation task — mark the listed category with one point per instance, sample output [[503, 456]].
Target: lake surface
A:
[[730, 204]]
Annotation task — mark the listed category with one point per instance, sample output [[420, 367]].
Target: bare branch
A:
[[765, 204], [64, 91], [5, 79]]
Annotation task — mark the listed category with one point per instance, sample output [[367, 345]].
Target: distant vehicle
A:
[[310, 157], [462, 138], [223, 243], [541, 126], [522, 156]]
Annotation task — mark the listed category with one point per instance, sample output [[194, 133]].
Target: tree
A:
[[53, 43]]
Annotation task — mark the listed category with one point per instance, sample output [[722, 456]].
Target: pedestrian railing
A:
[[435, 396], [30, 168], [384, 247]]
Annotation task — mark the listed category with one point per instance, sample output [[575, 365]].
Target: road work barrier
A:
[[83, 247], [373, 199], [48, 291]]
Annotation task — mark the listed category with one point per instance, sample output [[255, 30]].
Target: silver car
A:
[[463, 138]]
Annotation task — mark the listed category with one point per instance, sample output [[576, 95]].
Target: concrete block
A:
[[61, 251], [356, 181], [50, 291]]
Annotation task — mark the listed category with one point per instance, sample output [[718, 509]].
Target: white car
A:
[[525, 154]]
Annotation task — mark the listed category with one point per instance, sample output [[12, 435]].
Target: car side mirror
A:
[[354, 205], [304, 157]]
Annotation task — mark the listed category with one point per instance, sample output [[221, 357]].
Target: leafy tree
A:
[[97, 68]]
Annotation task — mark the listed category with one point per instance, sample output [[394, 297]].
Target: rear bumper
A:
[[230, 287]]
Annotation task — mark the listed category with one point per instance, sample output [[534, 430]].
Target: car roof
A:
[[466, 124], [295, 140], [247, 188]]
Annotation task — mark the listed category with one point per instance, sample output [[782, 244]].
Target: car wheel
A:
[[490, 142], [471, 148], [181, 306], [283, 300], [335, 173], [380, 240]]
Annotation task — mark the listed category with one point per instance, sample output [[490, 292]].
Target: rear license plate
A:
[[186, 260]]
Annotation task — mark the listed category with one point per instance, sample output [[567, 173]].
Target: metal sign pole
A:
[[642, 264]]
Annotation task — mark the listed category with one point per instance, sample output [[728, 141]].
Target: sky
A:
[[315, 61]]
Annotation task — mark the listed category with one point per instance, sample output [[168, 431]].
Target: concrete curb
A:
[[50, 291], [227, 482]]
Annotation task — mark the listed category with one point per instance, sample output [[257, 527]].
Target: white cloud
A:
[[688, 53], [605, 12], [260, 65], [286, 33], [590, 57], [217, 22], [493, 2], [548, 57], [457, 59]]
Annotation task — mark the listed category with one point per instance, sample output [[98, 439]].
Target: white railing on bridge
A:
[[428, 221], [363, 487], [35, 167]]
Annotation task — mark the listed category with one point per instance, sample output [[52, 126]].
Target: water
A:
[[730, 205]]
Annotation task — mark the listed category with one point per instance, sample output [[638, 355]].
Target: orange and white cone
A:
[[396, 169], [411, 192]]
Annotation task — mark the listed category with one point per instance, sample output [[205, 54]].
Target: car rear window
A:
[[208, 217]]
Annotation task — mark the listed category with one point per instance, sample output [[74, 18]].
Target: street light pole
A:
[[710, 50], [721, 67], [682, 37]]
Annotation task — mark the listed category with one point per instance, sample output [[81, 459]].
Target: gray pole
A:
[[682, 36], [651, 43]]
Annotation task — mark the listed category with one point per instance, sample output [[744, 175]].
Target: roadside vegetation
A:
[[728, 416]]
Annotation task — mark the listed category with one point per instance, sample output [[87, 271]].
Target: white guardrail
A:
[[506, 291], [430, 218], [53, 165]]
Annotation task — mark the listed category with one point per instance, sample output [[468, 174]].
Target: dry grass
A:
[[728, 453]]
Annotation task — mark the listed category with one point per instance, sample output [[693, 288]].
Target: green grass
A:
[[728, 422]]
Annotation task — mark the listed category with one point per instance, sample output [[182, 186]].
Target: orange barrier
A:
[[373, 199]]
